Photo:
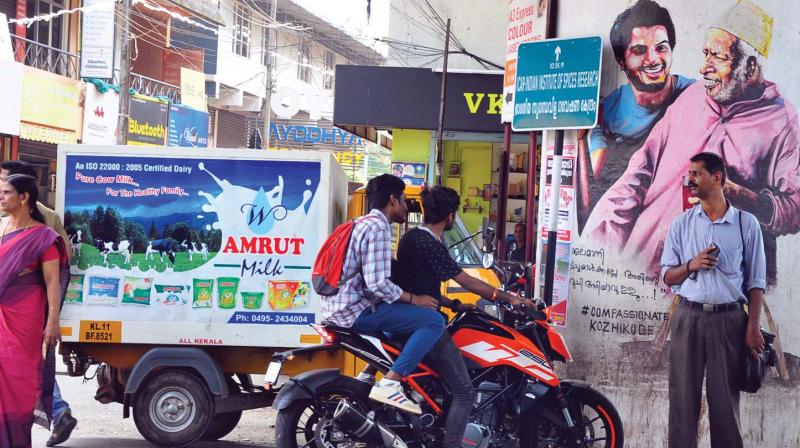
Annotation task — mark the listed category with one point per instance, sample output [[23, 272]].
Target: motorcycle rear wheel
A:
[[309, 423], [599, 424]]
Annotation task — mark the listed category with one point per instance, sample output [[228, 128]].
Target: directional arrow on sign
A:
[[558, 53]]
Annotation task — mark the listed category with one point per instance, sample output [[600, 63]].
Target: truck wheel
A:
[[174, 408], [223, 424]]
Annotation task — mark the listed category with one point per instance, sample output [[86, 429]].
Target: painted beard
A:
[[732, 90], [642, 86]]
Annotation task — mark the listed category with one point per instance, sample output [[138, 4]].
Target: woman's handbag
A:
[[756, 369]]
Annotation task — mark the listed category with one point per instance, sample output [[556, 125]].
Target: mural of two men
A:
[[654, 124]]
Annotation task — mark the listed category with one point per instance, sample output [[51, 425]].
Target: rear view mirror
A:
[[488, 260], [487, 234]]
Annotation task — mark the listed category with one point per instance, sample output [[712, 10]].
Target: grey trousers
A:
[[711, 344]]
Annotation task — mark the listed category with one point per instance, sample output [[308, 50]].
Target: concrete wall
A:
[[478, 24], [617, 303]]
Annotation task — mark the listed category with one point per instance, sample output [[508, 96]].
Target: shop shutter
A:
[[231, 130]]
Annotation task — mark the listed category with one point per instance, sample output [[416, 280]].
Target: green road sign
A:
[[558, 84]]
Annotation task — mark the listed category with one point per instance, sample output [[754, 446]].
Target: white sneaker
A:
[[366, 378], [391, 393]]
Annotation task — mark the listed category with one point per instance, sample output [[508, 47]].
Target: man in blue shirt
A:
[[714, 262], [642, 38]]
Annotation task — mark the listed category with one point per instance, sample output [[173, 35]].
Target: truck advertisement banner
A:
[[193, 249]]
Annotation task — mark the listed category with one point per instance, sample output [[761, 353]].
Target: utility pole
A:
[[265, 111], [440, 130], [124, 75]]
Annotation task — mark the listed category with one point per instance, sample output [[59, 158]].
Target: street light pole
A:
[[440, 130], [266, 111], [124, 75]]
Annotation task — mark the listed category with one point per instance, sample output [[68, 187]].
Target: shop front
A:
[[50, 114], [405, 102]]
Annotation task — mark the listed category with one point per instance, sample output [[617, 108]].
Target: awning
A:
[[399, 97]]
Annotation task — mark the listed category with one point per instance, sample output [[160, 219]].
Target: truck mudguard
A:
[[306, 385], [166, 357]]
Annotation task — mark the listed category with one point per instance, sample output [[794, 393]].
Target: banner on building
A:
[[50, 110], [147, 125], [97, 39], [11, 93], [100, 116], [193, 89], [187, 127], [6, 48], [527, 21]]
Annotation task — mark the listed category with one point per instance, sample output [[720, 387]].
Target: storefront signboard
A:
[[11, 92], [527, 21], [6, 49], [100, 114], [187, 127], [97, 39], [50, 110], [147, 125], [193, 89]]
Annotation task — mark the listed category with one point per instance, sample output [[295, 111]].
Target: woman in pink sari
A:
[[33, 274]]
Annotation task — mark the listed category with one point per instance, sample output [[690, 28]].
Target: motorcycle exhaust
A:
[[365, 429]]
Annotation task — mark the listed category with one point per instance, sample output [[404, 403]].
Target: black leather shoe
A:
[[63, 429]]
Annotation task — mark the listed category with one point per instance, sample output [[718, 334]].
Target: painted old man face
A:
[[724, 79], [648, 58]]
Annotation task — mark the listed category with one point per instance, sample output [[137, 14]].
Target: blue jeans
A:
[[59, 405], [424, 327]]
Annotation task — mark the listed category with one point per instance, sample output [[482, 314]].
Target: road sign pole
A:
[[552, 226], [502, 193]]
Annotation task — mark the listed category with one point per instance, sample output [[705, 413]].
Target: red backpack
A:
[[329, 264]]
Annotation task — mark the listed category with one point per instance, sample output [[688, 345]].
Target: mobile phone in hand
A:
[[714, 250]]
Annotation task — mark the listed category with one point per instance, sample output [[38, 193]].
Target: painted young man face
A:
[[648, 58]]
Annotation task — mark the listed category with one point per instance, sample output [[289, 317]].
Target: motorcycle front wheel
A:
[[310, 424], [595, 417]]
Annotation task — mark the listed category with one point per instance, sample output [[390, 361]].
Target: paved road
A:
[[103, 426]]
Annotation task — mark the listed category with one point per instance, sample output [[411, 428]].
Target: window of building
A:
[[330, 64], [48, 32], [242, 24], [304, 61]]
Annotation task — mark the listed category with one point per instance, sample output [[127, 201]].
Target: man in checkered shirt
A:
[[368, 267]]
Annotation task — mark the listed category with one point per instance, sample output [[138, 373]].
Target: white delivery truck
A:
[[190, 268]]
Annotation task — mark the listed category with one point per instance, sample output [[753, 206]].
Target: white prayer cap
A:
[[748, 22]]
